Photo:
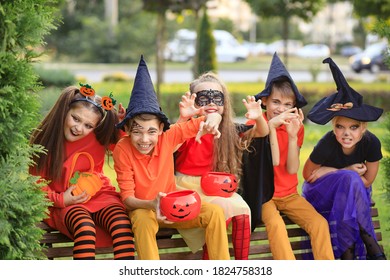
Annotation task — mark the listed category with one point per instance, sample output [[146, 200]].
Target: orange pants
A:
[[301, 212], [211, 218]]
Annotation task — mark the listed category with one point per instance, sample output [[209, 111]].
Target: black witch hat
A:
[[277, 72], [345, 102], [143, 99]]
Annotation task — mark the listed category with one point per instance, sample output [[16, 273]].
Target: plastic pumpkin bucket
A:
[[179, 206]]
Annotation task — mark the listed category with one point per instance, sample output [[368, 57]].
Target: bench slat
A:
[[173, 247]]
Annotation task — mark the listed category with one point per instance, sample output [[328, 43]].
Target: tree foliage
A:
[[380, 10], [377, 8], [85, 36], [303, 9], [206, 59], [23, 24]]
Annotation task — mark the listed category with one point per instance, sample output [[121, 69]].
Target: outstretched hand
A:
[[293, 125], [253, 108], [187, 106], [209, 126], [291, 118]]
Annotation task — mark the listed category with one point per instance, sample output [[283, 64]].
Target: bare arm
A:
[[133, 203], [292, 127], [312, 171], [274, 146], [369, 176]]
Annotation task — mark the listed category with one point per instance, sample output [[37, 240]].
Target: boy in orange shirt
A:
[[144, 165], [283, 101]]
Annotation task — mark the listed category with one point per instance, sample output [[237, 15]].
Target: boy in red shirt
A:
[[144, 165], [283, 101]]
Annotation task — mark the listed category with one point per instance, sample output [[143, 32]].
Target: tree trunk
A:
[[111, 15], [160, 43], [285, 34]]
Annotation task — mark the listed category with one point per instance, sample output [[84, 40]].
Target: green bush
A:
[[22, 204], [375, 94], [117, 77], [386, 159], [55, 77], [206, 58]]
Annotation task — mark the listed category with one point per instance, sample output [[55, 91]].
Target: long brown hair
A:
[[229, 147], [50, 132]]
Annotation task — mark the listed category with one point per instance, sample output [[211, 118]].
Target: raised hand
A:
[[253, 107], [187, 107], [121, 112], [294, 124], [209, 126]]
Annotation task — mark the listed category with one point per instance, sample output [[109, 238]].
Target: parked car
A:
[[255, 49], [278, 46], [182, 47], [314, 51], [371, 59], [350, 50]]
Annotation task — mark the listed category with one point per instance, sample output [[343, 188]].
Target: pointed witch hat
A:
[[277, 72], [345, 102], [143, 99]]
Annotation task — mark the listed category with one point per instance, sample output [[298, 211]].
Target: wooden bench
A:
[[172, 246]]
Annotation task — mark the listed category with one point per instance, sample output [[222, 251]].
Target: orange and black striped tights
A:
[[114, 219]]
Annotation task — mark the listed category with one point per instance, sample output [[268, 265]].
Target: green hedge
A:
[[376, 94]]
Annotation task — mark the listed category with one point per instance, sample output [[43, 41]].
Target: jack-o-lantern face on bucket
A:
[[219, 184], [180, 206]]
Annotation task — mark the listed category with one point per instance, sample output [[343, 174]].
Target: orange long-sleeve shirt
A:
[[144, 176]]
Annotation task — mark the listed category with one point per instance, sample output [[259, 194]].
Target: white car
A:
[[314, 51], [278, 46], [182, 47]]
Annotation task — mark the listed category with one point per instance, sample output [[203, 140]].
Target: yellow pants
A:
[[301, 212], [211, 218]]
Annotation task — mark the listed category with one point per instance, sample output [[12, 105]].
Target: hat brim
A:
[[320, 114], [299, 99], [131, 115]]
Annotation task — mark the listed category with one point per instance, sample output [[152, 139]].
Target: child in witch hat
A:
[[145, 170], [341, 169], [283, 103]]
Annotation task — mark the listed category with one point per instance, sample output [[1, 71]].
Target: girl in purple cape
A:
[[341, 169]]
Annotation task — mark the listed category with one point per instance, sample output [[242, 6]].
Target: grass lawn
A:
[[312, 134]]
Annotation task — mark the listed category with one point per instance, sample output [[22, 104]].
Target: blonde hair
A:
[[229, 147], [363, 124]]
